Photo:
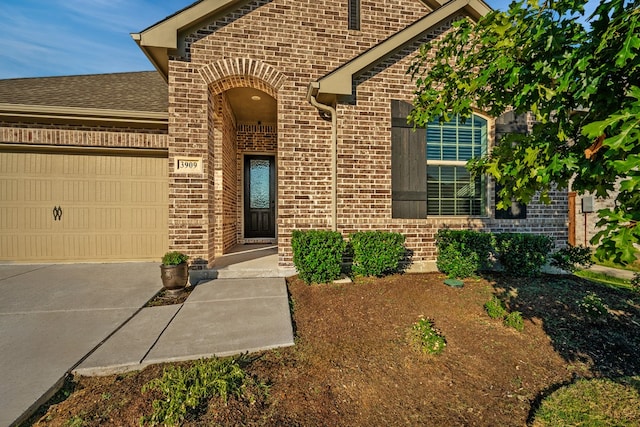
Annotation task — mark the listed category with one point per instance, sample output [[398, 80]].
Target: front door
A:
[[259, 197]]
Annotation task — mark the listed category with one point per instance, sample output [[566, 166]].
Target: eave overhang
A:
[[83, 116], [339, 83], [161, 40]]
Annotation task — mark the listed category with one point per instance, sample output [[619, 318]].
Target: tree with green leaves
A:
[[578, 75]]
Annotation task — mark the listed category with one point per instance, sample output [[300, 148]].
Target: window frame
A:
[[455, 125]]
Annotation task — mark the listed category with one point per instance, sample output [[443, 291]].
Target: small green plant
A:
[[377, 253], [514, 320], [522, 254], [75, 421], [317, 255], [425, 336], [572, 258], [592, 305], [186, 388], [495, 308], [174, 258]]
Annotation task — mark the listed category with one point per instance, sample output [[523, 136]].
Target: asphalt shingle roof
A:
[[144, 91]]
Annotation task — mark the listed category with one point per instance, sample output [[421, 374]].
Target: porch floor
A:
[[246, 261]]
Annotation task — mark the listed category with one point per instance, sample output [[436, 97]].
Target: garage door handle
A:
[[57, 213]]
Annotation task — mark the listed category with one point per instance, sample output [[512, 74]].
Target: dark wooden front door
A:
[[259, 196]]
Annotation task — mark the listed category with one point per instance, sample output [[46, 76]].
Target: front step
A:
[[244, 264]]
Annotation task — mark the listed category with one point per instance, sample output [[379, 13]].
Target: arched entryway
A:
[[243, 137]]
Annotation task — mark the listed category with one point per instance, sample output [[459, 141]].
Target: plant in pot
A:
[[174, 272]]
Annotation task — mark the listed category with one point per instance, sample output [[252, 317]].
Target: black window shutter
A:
[[408, 165]]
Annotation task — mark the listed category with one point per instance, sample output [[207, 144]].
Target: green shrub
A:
[[593, 307], [572, 258], [468, 242], [185, 389], [317, 255], [426, 337], [377, 253], [495, 308], [456, 261], [514, 320], [522, 254]]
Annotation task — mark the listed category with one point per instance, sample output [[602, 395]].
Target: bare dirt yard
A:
[[354, 365]]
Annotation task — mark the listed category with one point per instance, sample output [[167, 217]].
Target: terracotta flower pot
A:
[[174, 277]]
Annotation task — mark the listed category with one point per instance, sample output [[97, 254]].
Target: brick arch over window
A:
[[243, 72]]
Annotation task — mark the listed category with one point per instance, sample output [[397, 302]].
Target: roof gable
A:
[[161, 40], [339, 83]]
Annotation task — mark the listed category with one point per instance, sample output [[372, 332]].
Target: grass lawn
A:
[[358, 360]]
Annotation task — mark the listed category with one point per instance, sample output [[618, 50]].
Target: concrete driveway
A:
[[52, 316]]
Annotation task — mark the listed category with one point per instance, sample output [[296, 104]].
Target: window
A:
[[354, 14], [450, 188], [428, 172]]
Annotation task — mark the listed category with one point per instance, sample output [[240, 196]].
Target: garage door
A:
[[82, 207]]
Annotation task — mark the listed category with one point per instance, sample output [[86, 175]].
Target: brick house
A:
[[279, 115]]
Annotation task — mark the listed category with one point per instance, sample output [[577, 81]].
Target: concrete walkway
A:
[[88, 318], [613, 272], [221, 317]]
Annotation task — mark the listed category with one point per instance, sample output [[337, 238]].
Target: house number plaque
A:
[[188, 165]]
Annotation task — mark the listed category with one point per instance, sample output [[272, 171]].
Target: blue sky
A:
[[66, 37]]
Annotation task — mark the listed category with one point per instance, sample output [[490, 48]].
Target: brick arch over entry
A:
[[242, 72]]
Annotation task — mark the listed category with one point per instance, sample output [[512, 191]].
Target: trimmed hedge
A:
[[377, 253], [317, 255], [462, 253], [522, 254]]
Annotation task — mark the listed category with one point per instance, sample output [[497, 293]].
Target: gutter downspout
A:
[[328, 109]]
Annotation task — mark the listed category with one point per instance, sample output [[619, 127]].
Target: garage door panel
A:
[[39, 246], [108, 219], [9, 218], [144, 243], [77, 191], [112, 207], [9, 190], [35, 190], [36, 219], [76, 219], [109, 191]]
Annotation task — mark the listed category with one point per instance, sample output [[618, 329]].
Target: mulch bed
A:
[[354, 365]]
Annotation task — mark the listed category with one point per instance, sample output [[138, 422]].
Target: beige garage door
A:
[[82, 207]]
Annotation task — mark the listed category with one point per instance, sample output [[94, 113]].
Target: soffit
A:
[[251, 105], [339, 83]]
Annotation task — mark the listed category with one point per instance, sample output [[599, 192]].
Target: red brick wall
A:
[[190, 196], [84, 137], [280, 47]]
